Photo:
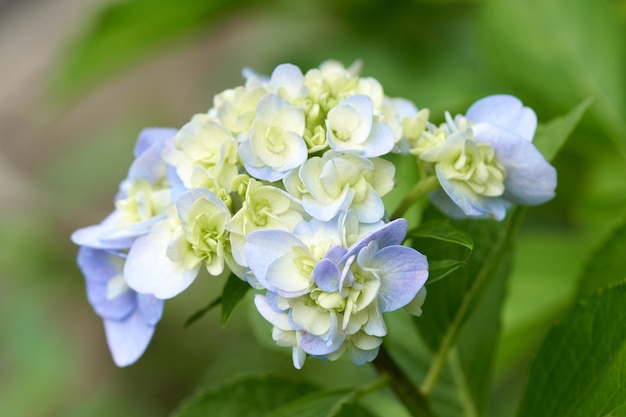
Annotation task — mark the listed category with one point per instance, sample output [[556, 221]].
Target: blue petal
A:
[[149, 270], [530, 179], [152, 136], [470, 203], [392, 233], [263, 247], [150, 307], [128, 338], [403, 271], [506, 112], [326, 275], [316, 345]]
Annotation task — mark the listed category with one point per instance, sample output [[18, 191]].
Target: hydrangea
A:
[[144, 198], [129, 317], [324, 297], [281, 183], [485, 161]]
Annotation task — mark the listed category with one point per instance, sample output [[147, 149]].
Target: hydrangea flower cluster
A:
[[281, 183]]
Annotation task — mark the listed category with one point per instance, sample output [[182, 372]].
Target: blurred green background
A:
[[81, 79]]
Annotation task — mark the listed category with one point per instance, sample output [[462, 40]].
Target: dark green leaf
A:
[[234, 290], [441, 269], [551, 136], [580, 370], [451, 301], [607, 264], [326, 403], [353, 410], [472, 360], [250, 396], [200, 313], [442, 230]]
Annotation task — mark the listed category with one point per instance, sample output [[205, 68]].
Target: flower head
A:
[[485, 162], [324, 298]]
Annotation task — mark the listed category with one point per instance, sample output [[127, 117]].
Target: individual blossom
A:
[[142, 200], [325, 302], [275, 144], [350, 127], [204, 154], [167, 260], [334, 182], [487, 161], [263, 207], [129, 317]]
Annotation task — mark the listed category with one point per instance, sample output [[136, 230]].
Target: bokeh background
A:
[[81, 79]]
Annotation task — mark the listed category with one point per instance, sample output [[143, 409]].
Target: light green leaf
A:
[[562, 51], [125, 31], [550, 137], [234, 291], [442, 230], [607, 264], [325, 403], [200, 313], [250, 396], [580, 370]]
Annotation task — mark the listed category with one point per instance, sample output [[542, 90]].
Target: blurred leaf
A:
[[126, 30], [234, 290], [551, 136], [472, 360], [249, 396], [581, 367], [353, 410], [607, 265], [325, 403], [564, 51], [200, 313], [442, 230]]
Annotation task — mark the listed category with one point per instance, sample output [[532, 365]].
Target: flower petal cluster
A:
[[281, 183], [129, 316], [485, 161], [325, 298]]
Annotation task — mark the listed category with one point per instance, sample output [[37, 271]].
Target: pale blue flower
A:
[[143, 197], [488, 162], [324, 298], [129, 317]]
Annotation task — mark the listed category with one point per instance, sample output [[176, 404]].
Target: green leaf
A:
[[580, 370], [234, 290], [325, 403], [441, 268], [562, 51], [451, 301], [607, 264], [459, 319], [250, 396], [442, 230], [472, 360], [200, 313], [125, 31], [551, 136]]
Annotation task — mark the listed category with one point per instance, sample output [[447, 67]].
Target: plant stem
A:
[[405, 390], [423, 187]]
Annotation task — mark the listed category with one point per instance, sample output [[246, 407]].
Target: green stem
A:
[[423, 187], [405, 390], [501, 246]]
